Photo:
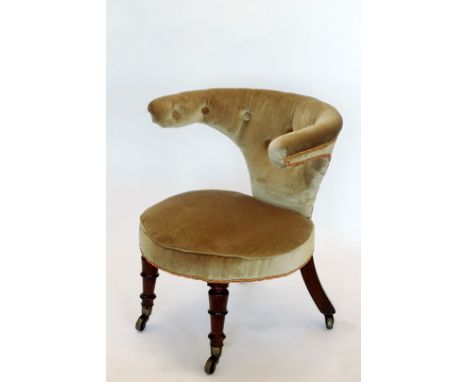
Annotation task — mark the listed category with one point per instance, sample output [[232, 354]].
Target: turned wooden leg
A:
[[218, 295], [312, 282], [149, 275]]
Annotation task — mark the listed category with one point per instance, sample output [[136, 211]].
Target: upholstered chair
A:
[[222, 237]]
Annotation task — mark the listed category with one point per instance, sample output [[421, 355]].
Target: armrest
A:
[[311, 142]]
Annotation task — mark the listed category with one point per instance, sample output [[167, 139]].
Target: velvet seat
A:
[[222, 236]]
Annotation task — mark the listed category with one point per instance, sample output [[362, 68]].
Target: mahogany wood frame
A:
[[218, 297], [149, 274], [312, 282]]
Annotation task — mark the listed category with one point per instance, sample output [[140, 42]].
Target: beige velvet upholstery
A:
[[240, 237], [287, 141]]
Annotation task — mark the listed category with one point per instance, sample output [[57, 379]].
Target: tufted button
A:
[[176, 115], [247, 116], [205, 110]]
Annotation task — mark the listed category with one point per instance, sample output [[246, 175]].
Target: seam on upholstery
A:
[[323, 145], [328, 156], [207, 104], [292, 113], [289, 158], [241, 130], [244, 124], [312, 232], [225, 281]]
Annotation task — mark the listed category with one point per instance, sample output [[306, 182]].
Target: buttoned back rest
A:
[[287, 139]]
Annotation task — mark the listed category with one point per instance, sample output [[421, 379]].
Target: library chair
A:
[[222, 237]]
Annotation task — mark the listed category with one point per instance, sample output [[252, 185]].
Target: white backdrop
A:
[[162, 47]]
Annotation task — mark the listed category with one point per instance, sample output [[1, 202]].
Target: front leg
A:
[[149, 275], [218, 296]]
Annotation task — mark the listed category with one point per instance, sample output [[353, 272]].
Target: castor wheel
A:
[[141, 323], [210, 365], [143, 319], [329, 321]]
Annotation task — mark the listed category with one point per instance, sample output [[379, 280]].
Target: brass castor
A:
[[141, 323], [143, 319], [329, 321], [210, 365]]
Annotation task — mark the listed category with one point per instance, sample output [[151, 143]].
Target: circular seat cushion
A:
[[227, 236]]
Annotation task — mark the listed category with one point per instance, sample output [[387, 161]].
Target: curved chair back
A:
[[287, 139]]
